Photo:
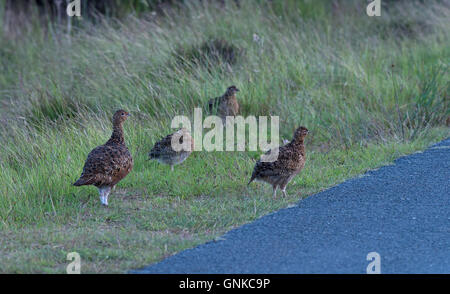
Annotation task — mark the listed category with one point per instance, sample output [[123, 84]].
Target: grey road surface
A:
[[401, 211]]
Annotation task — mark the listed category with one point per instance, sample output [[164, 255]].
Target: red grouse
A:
[[107, 164], [174, 148], [290, 161], [225, 105]]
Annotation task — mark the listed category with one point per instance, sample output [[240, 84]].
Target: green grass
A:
[[331, 74]]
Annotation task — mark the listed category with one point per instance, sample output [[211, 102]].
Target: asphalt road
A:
[[401, 211]]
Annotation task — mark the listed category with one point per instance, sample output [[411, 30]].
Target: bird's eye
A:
[[123, 113]]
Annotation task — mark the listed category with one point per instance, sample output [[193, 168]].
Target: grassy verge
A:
[[141, 226], [328, 70]]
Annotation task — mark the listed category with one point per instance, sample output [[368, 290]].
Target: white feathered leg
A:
[[104, 193], [101, 193], [107, 191], [275, 191]]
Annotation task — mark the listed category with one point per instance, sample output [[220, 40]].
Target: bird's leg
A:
[[284, 185], [101, 192], [275, 191], [171, 167], [107, 191]]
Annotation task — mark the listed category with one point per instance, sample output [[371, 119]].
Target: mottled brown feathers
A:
[[290, 161], [107, 164], [226, 105], [164, 152]]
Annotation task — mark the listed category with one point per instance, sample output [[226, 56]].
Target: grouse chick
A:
[[107, 164], [226, 105], [174, 148], [290, 161]]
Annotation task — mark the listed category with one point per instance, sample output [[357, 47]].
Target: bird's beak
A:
[[237, 90], [128, 114]]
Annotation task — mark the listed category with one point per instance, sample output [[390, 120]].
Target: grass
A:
[[331, 74]]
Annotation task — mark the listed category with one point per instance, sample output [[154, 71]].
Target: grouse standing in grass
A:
[[290, 161], [107, 164], [174, 148], [226, 105]]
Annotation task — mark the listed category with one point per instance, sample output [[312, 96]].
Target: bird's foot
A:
[[104, 200]]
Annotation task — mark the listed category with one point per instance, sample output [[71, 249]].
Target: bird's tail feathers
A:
[[83, 181], [251, 180]]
